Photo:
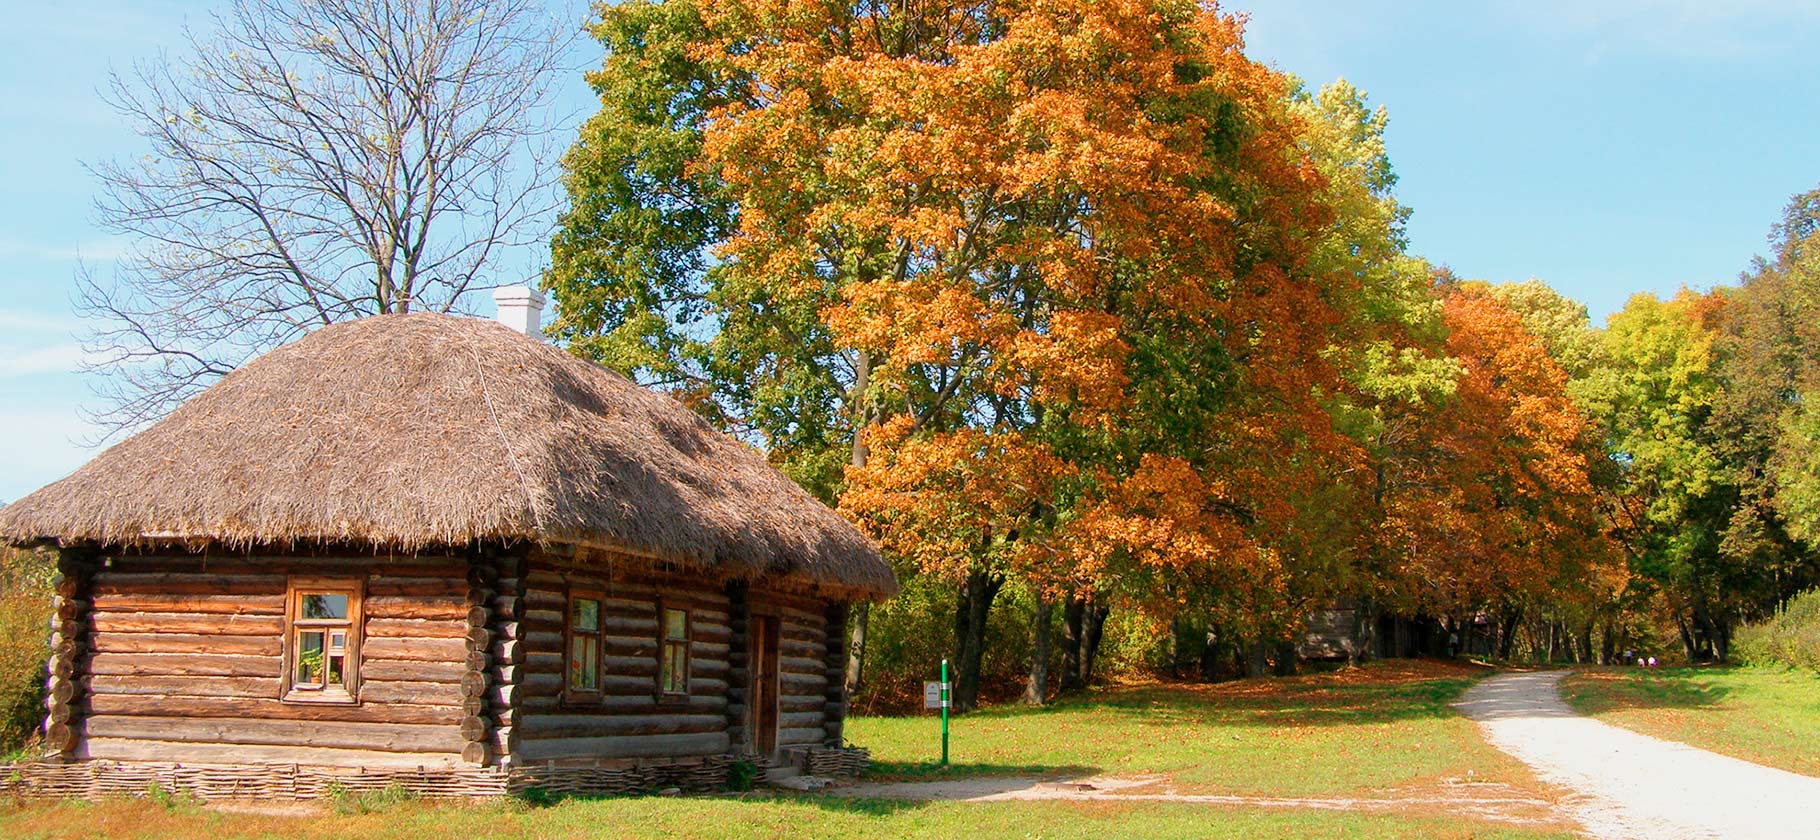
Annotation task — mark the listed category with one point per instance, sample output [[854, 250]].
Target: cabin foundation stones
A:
[[483, 568]]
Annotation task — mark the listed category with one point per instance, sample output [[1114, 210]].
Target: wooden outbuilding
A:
[[437, 552]]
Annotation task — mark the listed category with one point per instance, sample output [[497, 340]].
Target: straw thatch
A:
[[418, 430]]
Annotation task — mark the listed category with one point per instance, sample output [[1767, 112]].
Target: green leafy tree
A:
[[1769, 359], [1676, 493], [1390, 345]]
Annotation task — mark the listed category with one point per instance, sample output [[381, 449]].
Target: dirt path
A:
[[1491, 802], [1633, 786]]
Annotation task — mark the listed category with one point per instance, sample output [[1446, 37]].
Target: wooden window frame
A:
[[355, 623], [687, 642], [570, 694]]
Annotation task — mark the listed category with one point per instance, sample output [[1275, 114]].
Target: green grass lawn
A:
[[1385, 726], [1768, 716], [744, 819], [1382, 731]]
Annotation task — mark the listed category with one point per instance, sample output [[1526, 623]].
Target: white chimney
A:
[[521, 308]]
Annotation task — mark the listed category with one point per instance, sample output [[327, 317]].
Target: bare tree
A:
[[314, 161]]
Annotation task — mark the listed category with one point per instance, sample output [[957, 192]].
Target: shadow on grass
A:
[[924, 771], [1260, 703], [1598, 690], [1229, 730], [1341, 705]]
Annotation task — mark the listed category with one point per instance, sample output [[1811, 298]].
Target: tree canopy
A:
[[1076, 303]]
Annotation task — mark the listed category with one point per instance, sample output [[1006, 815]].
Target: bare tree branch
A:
[[313, 161]]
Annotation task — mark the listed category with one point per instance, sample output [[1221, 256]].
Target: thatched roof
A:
[[419, 430]]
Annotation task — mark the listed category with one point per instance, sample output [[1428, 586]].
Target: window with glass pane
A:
[[673, 671], [322, 626], [584, 644]]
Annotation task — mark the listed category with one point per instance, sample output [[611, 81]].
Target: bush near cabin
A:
[[25, 608]]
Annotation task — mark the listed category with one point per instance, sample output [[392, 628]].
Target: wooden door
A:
[[763, 706]]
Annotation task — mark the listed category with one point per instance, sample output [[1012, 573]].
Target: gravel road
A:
[[1632, 786]]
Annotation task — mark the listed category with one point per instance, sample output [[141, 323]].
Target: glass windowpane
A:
[[585, 615], [676, 624], [584, 664], [309, 659], [334, 673], [320, 605], [674, 678]]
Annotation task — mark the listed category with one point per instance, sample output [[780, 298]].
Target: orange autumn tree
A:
[[1061, 204], [1025, 286], [1493, 510], [1003, 211]]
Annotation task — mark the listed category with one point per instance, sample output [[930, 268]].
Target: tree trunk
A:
[[1364, 632], [1182, 639], [856, 649], [1073, 614], [857, 456], [1093, 622], [1608, 643], [1036, 692], [970, 613], [1210, 662], [1257, 658], [1284, 665], [1507, 633], [1687, 638]]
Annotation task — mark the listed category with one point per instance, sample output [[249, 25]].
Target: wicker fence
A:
[[102, 779], [837, 762], [709, 774]]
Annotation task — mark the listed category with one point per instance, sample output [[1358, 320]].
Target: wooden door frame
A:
[[766, 635]]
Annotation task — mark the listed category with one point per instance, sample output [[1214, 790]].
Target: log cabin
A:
[[436, 551]]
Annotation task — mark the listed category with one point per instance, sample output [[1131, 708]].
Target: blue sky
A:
[[1607, 148]]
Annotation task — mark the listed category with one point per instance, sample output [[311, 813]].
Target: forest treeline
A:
[[1111, 335]]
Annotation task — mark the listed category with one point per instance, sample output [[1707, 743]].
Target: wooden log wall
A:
[[739, 675], [629, 721], [505, 663], [802, 667], [488, 687], [188, 662], [71, 647], [834, 666]]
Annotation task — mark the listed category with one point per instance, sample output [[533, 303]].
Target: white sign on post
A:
[[932, 695]]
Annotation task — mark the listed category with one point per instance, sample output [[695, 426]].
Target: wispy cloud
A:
[[66, 358], [17, 322], [104, 249]]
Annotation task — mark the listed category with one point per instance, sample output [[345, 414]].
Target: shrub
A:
[[908, 636], [742, 776], [347, 801], [1134, 644], [1791, 638], [169, 799], [25, 612]]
